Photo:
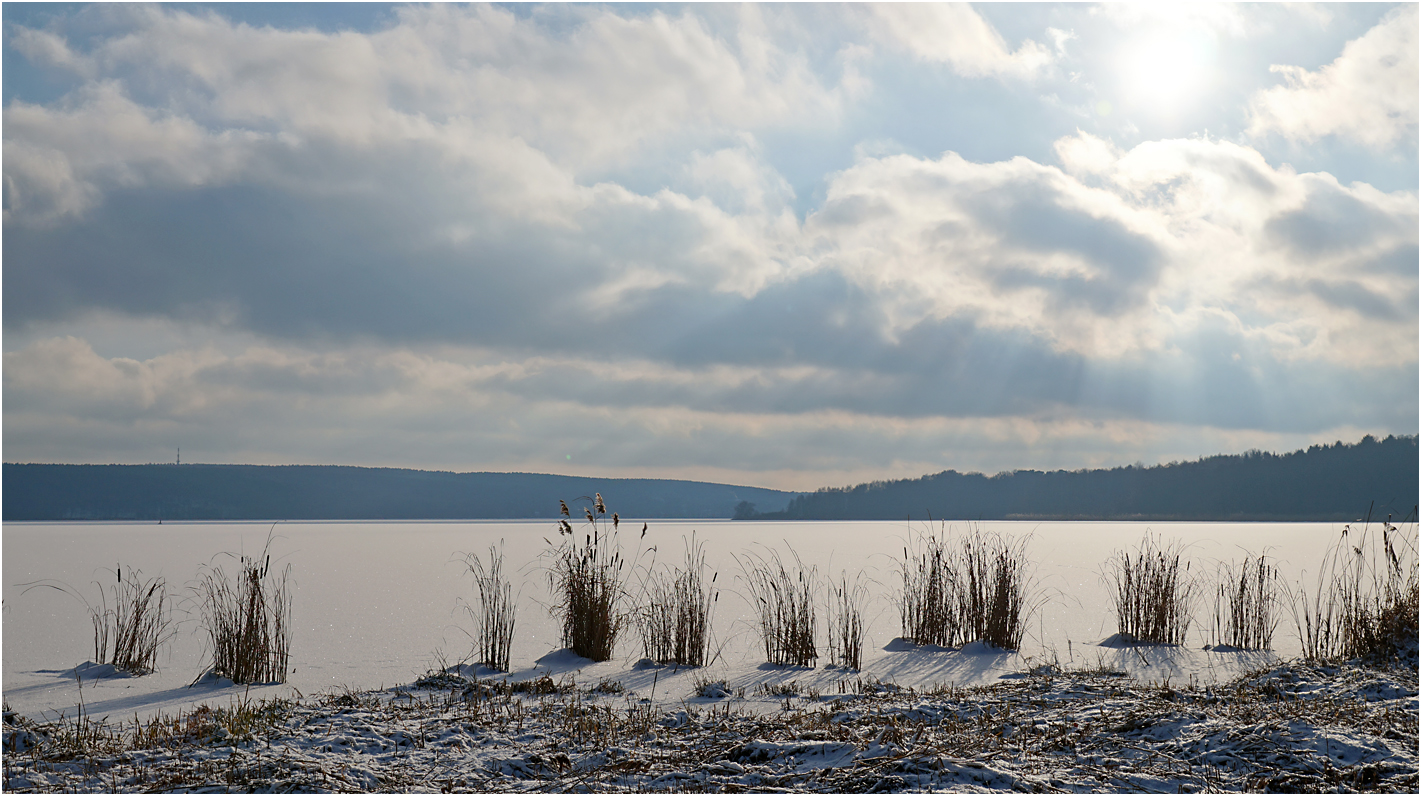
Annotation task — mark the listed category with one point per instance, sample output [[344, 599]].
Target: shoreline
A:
[[1296, 726]]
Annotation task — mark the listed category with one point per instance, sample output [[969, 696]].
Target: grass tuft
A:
[[846, 622], [1245, 605], [1153, 595], [248, 620], [711, 689], [589, 582], [1365, 602], [785, 604], [128, 633], [977, 588], [675, 623], [992, 589], [928, 607], [493, 623]]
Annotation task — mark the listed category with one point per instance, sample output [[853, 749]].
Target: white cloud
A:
[[529, 108], [59, 161], [953, 33], [1216, 18], [609, 86], [1128, 251], [46, 49], [1014, 244], [1368, 94]]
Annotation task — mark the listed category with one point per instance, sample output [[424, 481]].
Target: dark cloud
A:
[[288, 269], [1028, 220], [1402, 261], [1352, 295], [1332, 221]]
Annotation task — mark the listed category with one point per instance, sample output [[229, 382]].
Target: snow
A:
[[380, 605], [1292, 727]]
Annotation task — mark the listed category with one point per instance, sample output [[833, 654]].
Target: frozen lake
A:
[[378, 603]]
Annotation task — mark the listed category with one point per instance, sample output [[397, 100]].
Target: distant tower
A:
[[180, 455]]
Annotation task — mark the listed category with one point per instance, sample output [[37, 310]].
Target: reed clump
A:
[[846, 622], [928, 607], [993, 589], [1245, 604], [1153, 595], [129, 631], [248, 619], [675, 622], [785, 604], [977, 587], [589, 582], [494, 621], [1366, 599]]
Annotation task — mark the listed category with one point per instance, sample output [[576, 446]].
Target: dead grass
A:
[[675, 621], [493, 623], [1245, 604], [1152, 594], [992, 589], [129, 631], [784, 602], [1365, 602], [977, 586], [928, 606], [846, 621], [589, 582], [1072, 732], [248, 619]]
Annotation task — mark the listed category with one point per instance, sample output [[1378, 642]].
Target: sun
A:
[[1163, 70]]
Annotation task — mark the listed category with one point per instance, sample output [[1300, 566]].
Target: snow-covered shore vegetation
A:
[[1295, 727]]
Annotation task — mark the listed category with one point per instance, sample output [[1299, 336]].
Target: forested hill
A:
[[257, 492], [1332, 483]]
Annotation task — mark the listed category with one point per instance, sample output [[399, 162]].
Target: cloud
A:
[[954, 34], [473, 85], [49, 50], [1110, 261], [60, 161], [1014, 244], [473, 409], [1368, 94], [487, 240]]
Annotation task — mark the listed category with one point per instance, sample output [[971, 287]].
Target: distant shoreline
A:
[[1324, 483]]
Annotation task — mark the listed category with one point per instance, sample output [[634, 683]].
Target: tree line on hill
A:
[[330, 492], [1324, 483]]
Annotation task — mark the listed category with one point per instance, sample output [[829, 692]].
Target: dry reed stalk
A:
[[128, 634], [248, 620], [992, 589], [846, 622], [785, 604], [1153, 595], [1365, 603], [928, 608], [1245, 604], [589, 581], [675, 624], [493, 624], [978, 588]]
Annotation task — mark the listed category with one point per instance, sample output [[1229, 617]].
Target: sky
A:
[[790, 246]]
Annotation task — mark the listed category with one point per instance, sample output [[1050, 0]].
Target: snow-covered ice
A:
[[379, 605]]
